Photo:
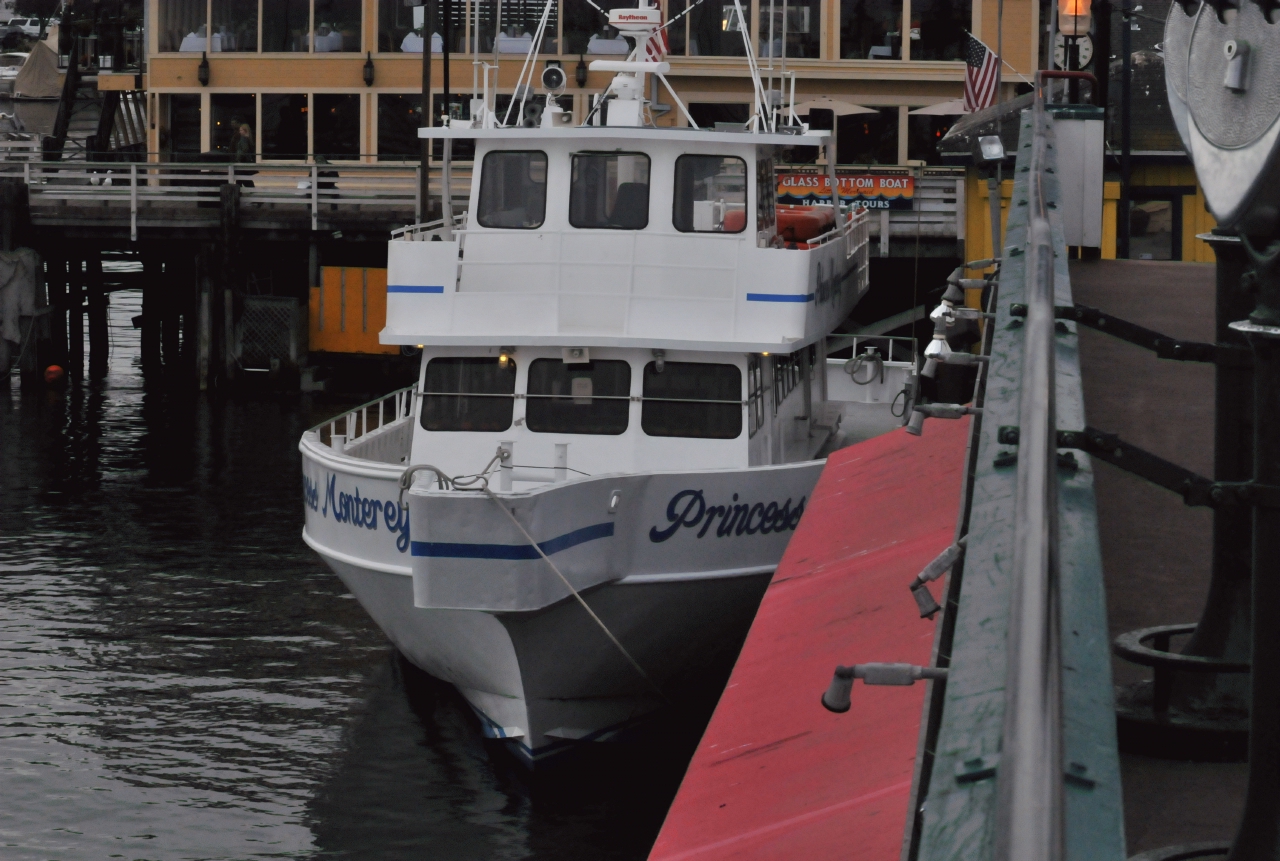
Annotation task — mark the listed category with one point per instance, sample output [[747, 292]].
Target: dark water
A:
[[180, 677]]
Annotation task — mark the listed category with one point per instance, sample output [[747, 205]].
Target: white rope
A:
[[603, 627]]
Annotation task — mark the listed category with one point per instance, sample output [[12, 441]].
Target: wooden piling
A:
[[204, 338], [99, 338], [151, 291], [56, 279], [230, 201], [170, 324], [75, 319]]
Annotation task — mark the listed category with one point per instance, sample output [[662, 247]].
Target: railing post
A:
[[315, 199], [417, 194]]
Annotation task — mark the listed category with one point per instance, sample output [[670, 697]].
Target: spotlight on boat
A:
[[838, 696], [659, 360], [504, 355], [991, 147]]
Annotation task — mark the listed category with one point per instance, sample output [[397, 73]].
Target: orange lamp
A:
[[1075, 18]]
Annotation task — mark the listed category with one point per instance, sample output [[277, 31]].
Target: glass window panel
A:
[[707, 114], [336, 124], [871, 29], [802, 26], [609, 190], [939, 29], [447, 384], [715, 29], [287, 26], [677, 33], [184, 125], [676, 401], [586, 31], [585, 397], [868, 138], [284, 125], [182, 25], [399, 117], [235, 25], [338, 26], [228, 112], [924, 134], [482, 32], [710, 195], [513, 190], [399, 26], [519, 24]]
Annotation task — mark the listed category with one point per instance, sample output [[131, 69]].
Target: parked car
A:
[[25, 26]]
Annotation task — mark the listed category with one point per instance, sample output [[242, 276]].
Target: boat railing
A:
[[372, 431], [424, 231]]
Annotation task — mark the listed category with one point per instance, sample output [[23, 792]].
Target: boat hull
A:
[[540, 672]]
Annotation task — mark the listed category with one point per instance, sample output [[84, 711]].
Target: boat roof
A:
[[625, 133]]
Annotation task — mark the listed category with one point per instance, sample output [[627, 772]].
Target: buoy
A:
[[53, 375]]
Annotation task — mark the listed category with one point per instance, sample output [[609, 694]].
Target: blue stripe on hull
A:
[[446, 550], [780, 297], [415, 288]]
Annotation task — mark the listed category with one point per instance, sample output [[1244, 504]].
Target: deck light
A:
[[504, 355], [202, 71], [991, 147], [659, 360], [368, 69], [1075, 18]]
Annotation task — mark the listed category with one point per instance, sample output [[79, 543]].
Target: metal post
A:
[[424, 173], [1126, 139]]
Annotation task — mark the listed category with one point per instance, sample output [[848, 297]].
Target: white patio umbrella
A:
[[826, 103], [953, 108]]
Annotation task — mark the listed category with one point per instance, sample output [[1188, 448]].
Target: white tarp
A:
[[39, 78], [19, 278]]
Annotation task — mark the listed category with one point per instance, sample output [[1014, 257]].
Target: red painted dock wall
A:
[[776, 775]]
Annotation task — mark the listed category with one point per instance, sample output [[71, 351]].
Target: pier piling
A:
[[99, 344], [75, 319], [151, 291]]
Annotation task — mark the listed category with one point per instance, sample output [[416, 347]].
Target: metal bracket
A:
[[1195, 490], [1162, 345]]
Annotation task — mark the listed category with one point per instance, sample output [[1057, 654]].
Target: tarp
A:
[[19, 277], [39, 78], [776, 775]]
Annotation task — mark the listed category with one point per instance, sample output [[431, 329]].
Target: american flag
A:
[[981, 74], [656, 46]]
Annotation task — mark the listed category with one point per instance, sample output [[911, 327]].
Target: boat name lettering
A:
[[360, 511], [689, 508]]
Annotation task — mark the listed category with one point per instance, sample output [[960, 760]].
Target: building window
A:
[[184, 125], [513, 190], [609, 190], [400, 27], [399, 118], [869, 138], [716, 29], [182, 25], [336, 124], [338, 25], [585, 397], [284, 125], [940, 29], [468, 394], [924, 133], [801, 26], [708, 114], [871, 29], [692, 399], [235, 25], [520, 24], [710, 195], [586, 31], [288, 27], [228, 112]]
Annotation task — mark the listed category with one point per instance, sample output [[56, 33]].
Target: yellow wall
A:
[[355, 311], [977, 225]]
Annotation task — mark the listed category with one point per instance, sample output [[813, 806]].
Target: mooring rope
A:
[[603, 627]]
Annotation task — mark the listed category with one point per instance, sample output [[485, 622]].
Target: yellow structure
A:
[[307, 74], [348, 310]]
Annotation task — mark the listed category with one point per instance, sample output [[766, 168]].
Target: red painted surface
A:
[[776, 775]]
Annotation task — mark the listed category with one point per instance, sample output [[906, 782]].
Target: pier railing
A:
[[1018, 756], [115, 189]]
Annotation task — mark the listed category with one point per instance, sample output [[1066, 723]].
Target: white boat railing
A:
[[357, 431]]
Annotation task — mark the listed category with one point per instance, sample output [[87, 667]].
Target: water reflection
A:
[[180, 677]]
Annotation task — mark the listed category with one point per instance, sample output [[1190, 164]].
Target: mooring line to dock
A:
[[603, 627]]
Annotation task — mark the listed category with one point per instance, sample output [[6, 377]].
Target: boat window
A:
[[711, 194], [513, 190], [465, 394], [610, 190], [583, 397], [755, 394], [766, 196], [692, 399]]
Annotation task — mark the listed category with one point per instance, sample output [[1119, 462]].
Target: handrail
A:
[[358, 423], [1029, 815]]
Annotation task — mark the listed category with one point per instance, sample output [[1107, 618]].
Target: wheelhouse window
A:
[[692, 399], [609, 190], [583, 397], [513, 190], [468, 394], [711, 194]]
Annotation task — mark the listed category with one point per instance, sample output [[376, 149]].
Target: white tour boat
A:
[[623, 401]]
